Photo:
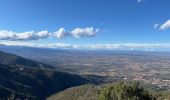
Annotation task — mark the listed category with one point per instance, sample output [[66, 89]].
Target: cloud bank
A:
[[112, 46], [61, 33], [31, 35]]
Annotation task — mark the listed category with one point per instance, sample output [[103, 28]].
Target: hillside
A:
[[22, 78], [114, 91], [10, 59], [83, 92], [36, 82]]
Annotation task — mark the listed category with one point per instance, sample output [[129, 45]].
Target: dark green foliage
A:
[[117, 91], [84, 92], [38, 83], [163, 95], [124, 91], [26, 79]]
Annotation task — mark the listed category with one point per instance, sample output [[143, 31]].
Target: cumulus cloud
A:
[[43, 34], [61, 33], [31, 35], [6, 35], [165, 25], [86, 32], [77, 33]]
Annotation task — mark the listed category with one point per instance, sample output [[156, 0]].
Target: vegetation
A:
[[124, 91], [25, 79], [38, 83], [22, 81], [83, 92], [117, 91], [163, 95]]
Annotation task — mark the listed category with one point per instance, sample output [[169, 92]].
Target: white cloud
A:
[[126, 46], [6, 35], [30, 44], [165, 25], [77, 33], [61, 33], [43, 34], [86, 32], [25, 36], [112, 46], [23, 43]]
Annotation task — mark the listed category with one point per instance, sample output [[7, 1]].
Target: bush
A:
[[124, 91]]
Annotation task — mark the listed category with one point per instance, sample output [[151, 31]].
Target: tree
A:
[[124, 91]]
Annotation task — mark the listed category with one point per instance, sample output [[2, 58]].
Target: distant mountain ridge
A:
[[10, 59], [24, 50]]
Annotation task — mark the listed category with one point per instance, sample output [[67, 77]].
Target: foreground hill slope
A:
[[19, 80], [38, 83], [83, 92], [116, 91]]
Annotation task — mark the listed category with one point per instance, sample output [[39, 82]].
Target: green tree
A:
[[124, 91]]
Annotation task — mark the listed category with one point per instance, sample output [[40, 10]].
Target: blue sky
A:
[[83, 22]]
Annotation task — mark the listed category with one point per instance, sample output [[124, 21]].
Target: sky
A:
[[86, 23]]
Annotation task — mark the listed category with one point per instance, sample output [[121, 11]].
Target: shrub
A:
[[124, 91]]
